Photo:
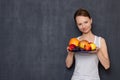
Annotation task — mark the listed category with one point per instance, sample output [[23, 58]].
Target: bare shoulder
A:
[[103, 43], [79, 37], [103, 40]]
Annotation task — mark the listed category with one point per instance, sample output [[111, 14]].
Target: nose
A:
[[83, 25]]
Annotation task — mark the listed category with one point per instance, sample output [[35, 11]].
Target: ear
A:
[[91, 20]]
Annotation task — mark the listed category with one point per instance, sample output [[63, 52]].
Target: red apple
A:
[[93, 46], [87, 47], [71, 47]]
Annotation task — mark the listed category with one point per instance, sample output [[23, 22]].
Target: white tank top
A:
[[86, 65]]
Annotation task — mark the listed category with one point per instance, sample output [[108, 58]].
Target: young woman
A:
[[86, 64]]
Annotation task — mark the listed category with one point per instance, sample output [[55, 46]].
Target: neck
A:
[[89, 34]]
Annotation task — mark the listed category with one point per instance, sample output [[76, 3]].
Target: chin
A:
[[85, 32]]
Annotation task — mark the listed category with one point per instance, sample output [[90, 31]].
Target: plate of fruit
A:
[[83, 46]]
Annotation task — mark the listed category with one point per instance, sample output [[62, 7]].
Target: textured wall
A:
[[34, 35]]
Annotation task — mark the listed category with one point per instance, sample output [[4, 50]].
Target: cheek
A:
[[79, 27], [88, 25]]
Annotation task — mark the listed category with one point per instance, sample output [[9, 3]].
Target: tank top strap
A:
[[78, 37], [97, 41]]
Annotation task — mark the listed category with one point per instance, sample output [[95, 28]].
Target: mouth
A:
[[84, 29]]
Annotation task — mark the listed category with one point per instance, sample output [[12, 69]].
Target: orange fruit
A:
[[74, 41]]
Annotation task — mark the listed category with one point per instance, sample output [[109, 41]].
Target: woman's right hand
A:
[[69, 52], [69, 58]]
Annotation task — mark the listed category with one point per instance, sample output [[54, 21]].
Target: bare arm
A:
[[69, 59], [103, 54]]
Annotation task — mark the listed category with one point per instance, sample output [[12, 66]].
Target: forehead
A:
[[82, 18]]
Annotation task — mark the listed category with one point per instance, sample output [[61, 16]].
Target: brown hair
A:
[[81, 12]]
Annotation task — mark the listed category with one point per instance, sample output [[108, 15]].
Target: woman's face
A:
[[84, 24]]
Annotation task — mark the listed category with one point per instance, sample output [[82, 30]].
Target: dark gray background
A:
[[34, 35]]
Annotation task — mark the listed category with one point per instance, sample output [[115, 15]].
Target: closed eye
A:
[[79, 24], [86, 22]]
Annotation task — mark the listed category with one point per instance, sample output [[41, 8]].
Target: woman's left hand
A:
[[95, 51]]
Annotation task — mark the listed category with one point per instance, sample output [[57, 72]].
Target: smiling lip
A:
[[84, 29]]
